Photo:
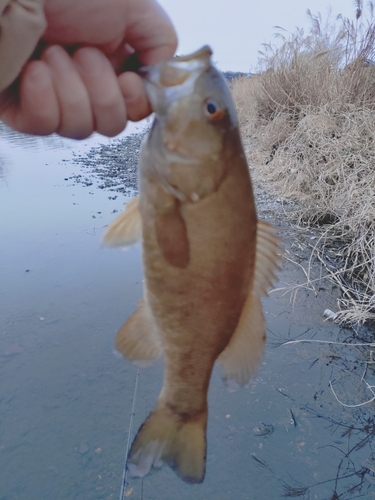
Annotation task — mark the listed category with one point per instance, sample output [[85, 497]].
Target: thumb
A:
[[150, 32]]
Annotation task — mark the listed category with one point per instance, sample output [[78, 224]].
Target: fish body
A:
[[207, 260]]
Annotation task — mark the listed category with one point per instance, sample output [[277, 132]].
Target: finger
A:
[[101, 83], [76, 118], [137, 104], [37, 109], [119, 57], [150, 32]]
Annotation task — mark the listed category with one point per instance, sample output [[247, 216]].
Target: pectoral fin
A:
[[138, 338], [126, 229], [241, 357]]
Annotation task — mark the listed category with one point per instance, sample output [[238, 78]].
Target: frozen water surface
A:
[[66, 400]]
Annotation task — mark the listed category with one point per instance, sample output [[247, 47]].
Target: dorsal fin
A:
[[241, 357], [126, 229], [267, 258]]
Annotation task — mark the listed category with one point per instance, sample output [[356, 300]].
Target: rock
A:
[[330, 314], [83, 448]]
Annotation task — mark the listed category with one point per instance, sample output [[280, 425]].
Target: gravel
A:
[[112, 166]]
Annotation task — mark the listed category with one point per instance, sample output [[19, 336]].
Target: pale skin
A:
[[76, 86]]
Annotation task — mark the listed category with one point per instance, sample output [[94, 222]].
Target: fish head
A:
[[195, 115]]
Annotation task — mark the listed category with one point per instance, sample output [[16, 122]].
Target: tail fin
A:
[[177, 440]]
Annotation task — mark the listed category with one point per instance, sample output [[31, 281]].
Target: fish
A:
[[207, 260]]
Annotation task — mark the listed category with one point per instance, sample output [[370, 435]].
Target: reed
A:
[[309, 116]]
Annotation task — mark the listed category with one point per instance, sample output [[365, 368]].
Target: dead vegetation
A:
[[309, 116]]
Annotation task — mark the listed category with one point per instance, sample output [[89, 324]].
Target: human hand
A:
[[76, 87]]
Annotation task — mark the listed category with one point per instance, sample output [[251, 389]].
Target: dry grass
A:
[[310, 117]]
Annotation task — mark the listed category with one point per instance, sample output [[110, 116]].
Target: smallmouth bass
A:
[[207, 260]]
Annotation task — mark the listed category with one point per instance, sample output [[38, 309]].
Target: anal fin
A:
[[138, 339], [126, 229]]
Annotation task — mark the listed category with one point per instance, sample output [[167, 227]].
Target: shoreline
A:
[[113, 167]]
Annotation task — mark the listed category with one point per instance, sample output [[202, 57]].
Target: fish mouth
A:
[[178, 69], [170, 80]]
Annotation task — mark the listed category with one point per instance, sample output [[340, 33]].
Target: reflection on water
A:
[[26, 141], [10, 138], [3, 162], [66, 400], [63, 394]]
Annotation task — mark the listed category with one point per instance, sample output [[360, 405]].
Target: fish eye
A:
[[211, 107], [213, 110]]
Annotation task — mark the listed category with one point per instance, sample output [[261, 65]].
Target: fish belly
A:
[[197, 307]]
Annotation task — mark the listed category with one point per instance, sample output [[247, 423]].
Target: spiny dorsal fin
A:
[[241, 357], [138, 339], [126, 229], [267, 258]]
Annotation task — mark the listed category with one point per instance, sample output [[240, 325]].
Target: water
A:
[[66, 399]]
